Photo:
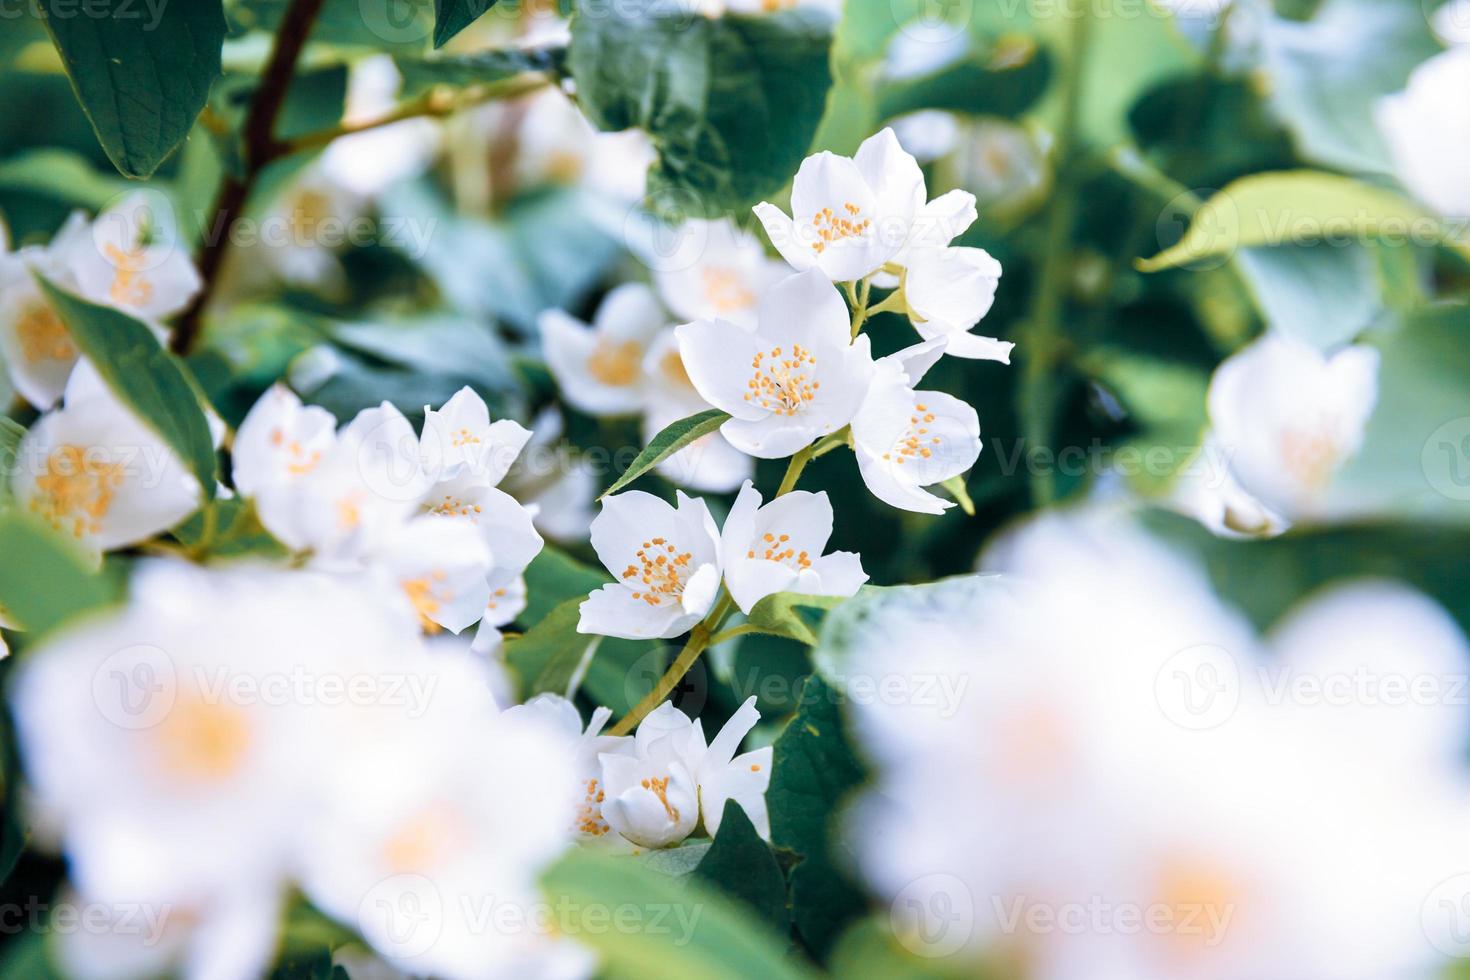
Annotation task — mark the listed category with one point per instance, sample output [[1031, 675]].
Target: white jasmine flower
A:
[[460, 436], [555, 144], [1427, 127], [948, 291], [34, 343], [709, 463], [659, 793], [1207, 491], [280, 441], [93, 470], [588, 744], [600, 370], [778, 548], [717, 271], [865, 211], [666, 563], [906, 440], [794, 378], [442, 567], [1289, 417], [133, 261]]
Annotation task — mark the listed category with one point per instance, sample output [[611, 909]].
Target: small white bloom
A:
[[460, 436], [132, 260], [34, 343], [442, 567], [1289, 417], [948, 291], [906, 440], [280, 441], [710, 463], [1427, 127], [600, 370], [658, 793], [778, 548], [794, 378], [717, 271], [666, 563], [92, 470]]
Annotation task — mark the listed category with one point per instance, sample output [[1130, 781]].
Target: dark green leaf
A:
[[742, 866], [813, 769], [147, 378], [453, 16], [53, 583], [475, 68], [731, 103], [1004, 81], [547, 654], [237, 531], [142, 72], [673, 438], [662, 927], [869, 951]]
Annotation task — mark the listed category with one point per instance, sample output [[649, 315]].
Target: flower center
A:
[[659, 787], [725, 291], [776, 549], [782, 384], [426, 600], [832, 227], [916, 442], [452, 506], [615, 363], [77, 489], [129, 287], [1310, 455], [661, 569], [425, 839], [300, 462], [43, 336], [589, 811], [673, 368], [464, 437], [202, 740]]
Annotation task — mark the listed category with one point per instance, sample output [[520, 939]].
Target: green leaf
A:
[[812, 771], [1296, 207], [59, 176], [147, 378], [547, 654], [869, 951], [237, 532], [1322, 295], [1006, 79], [675, 862], [453, 16], [142, 72], [662, 927], [957, 489], [475, 68], [778, 615], [673, 438], [54, 583], [742, 866], [11, 433], [731, 103]]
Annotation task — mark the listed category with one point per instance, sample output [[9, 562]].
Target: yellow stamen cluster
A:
[[426, 602], [832, 227], [451, 506], [589, 811], [661, 568], [129, 287], [76, 490], [725, 290], [43, 336], [495, 598], [301, 461], [780, 383], [464, 437], [673, 368], [615, 363], [776, 549], [913, 443], [660, 788], [202, 740]]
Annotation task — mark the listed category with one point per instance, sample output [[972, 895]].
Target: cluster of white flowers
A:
[[233, 732], [423, 511], [125, 259], [654, 788], [669, 562], [1131, 783]]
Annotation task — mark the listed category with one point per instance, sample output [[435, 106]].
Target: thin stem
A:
[[733, 632], [1036, 398], [794, 468], [259, 137], [859, 296]]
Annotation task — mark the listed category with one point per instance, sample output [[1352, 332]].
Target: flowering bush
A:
[[709, 489]]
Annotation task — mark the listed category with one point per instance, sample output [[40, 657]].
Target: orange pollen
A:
[[129, 288], [913, 444], [42, 335], [426, 601], [203, 740], [782, 384], [659, 572], [589, 812], [76, 491], [660, 788], [831, 227]]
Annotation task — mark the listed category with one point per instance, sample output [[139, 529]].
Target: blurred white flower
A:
[[443, 569], [555, 144], [906, 439], [949, 290], [724, 277], [709, 464], [1427, 127], [34, 343], [92, 470], [794, 378], [1207, 491], [666, 562], [369, 162], [587, 745], [1452, 22], [600, 370], [132, 260], [927, 134], [778, 548], [854, 215], [1288, 417], [459, 436]]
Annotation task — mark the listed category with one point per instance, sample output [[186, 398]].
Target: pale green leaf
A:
[[673, 438]]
